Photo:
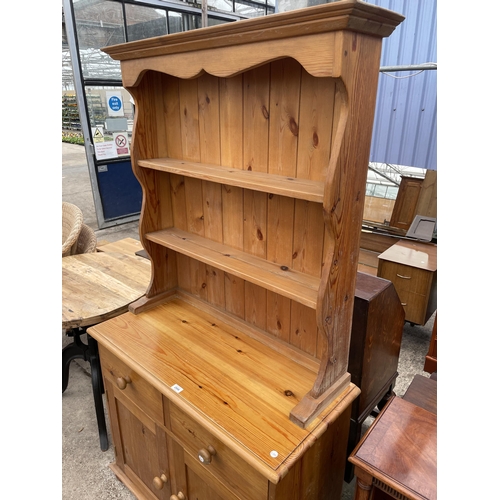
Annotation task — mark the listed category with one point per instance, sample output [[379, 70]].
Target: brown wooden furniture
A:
[[412, 267], [377, 327], [422, 392], [430, 364], [398, 454], [404, 210], [251, 144], [129, 246], [97, 287]]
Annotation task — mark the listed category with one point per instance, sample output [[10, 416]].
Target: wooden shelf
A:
[[292, 187], [280, 279]]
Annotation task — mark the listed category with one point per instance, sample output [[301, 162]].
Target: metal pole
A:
[[410, 67], [82, 108], [204, 13]]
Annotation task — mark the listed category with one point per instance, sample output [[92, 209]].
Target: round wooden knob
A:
[[205, 454], [160, 481], [122, 382], [179, 496]]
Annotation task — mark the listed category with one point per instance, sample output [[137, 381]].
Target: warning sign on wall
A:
[[97, 134], [121, 142]]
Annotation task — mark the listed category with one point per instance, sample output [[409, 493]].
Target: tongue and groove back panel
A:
[[277, 119]]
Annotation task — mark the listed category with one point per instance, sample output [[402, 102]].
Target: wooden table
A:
[[96, 287], [398, 453]]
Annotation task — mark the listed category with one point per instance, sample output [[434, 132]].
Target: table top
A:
[[412, 253], [127, 246], [400, 450], [99, 286]]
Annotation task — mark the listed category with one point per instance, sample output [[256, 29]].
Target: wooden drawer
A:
[[137, 389], [225, 466], [406, 278], [415, 306]]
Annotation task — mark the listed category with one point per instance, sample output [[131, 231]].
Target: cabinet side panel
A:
[[324, 463], [150, 140]]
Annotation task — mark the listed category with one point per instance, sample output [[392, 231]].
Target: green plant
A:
[[73, 138]]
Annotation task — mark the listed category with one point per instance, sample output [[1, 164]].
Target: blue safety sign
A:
[[115, 103]]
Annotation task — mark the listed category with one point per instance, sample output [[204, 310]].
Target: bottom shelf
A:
[[236, 385]]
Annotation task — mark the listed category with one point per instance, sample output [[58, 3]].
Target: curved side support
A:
[[329, 312], [145, 144], [343, 205]]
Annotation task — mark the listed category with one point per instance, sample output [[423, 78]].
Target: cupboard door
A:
[[405, 206], [140, 446], [193, 480], [224, 465]]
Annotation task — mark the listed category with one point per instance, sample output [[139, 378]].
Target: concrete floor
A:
[[85, 471]]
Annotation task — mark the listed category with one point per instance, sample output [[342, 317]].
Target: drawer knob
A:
[[179, 496], [403, 277], [205, 454], [122, 382], [160, 481]]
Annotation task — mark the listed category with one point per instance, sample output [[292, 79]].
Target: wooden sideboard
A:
[[251, 142], [412, 267]]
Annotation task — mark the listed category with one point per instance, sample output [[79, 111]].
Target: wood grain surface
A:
[[98, 286], [244, 388], [400, 450]]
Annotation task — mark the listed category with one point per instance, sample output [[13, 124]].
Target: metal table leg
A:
[[88, 352]]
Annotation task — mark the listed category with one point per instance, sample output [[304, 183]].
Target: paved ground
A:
[[85, 471]]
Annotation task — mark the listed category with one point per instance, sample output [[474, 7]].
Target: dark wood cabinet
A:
[[377, 328]]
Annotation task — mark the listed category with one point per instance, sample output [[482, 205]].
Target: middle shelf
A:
[[272, 276], [292, 187]]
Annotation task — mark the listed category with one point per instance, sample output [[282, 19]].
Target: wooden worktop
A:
[[412, 253], [239, 388]]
